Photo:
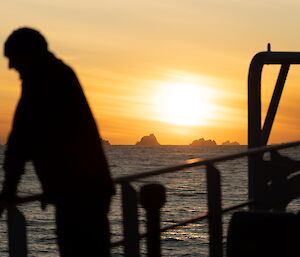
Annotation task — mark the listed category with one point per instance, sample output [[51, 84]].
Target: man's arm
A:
[[14, 159], [13, 167]]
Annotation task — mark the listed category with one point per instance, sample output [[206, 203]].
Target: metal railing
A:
[[259, 130], [130, 200]]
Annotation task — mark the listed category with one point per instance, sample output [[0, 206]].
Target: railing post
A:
[[17, 240], [214, 212], [153, 197], [130, 221], [255, 183]]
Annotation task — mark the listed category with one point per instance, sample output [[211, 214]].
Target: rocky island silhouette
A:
[[105, 142], [149, 140], [203, 142], [230, 143]]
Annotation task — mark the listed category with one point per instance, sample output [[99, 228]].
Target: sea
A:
[[186, 197]]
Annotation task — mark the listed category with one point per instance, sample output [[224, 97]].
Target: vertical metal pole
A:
[[17, 239], [256, 180], [255, 183], [214, 212], [130, 221], [153, 197]]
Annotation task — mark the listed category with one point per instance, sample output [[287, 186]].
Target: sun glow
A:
[[184, 104]]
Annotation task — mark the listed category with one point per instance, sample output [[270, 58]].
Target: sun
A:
[[184, 104]]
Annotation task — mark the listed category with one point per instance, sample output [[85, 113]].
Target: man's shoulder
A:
[[62, 68], [56, 67], [60, 75]]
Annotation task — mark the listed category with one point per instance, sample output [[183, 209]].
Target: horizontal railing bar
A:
[[188, 164], [202, 162], [27, 199], [205, 216], [238, 206], [164, 229], [21, 200], [189, 221]]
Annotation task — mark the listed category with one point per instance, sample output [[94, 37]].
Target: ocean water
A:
[[186, 197]]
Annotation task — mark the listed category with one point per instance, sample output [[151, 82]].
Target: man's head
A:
[[23, 47]]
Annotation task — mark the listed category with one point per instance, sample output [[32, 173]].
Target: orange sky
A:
[[128, 53]]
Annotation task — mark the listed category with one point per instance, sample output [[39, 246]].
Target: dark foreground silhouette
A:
[[54, 128]]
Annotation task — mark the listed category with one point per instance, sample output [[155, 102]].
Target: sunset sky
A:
[[177, 69]]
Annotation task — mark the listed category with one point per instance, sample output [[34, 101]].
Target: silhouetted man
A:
[[54, 128]]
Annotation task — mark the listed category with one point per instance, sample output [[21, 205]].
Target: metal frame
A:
[[258, 135]]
